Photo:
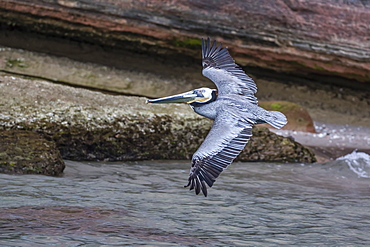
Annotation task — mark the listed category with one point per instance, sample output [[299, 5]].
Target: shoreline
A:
[[331, 140], [326, 104], [90, 125]]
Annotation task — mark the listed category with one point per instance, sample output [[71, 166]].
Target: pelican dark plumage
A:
[[234, 109]]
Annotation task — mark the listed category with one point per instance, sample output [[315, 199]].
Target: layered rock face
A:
[[300, 37]]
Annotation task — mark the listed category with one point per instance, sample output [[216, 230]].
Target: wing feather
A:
[[220, 68], [224, 142]]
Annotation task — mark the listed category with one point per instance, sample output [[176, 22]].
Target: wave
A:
[[358, 162]]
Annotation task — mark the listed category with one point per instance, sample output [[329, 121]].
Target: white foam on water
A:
[[358, 162]]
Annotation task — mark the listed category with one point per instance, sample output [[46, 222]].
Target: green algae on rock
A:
[[26, 152]]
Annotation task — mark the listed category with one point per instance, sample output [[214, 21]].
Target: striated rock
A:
[[26, 152], [298, 118], [300, 37], [88, 125], [136, 76]]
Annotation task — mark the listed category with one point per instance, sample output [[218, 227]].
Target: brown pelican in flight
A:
[[233, 108]]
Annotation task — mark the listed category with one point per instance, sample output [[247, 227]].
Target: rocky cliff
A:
[[306, 38]]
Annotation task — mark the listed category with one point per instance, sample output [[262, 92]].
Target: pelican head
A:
[[200, 95]]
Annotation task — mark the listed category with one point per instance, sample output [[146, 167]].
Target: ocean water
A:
[[145, 204]]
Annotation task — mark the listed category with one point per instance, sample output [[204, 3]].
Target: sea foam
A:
[[358, 162]]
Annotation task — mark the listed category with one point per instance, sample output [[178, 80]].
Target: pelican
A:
[[234, 109]]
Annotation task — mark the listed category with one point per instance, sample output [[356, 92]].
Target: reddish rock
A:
[[300, 37], [298, 117]]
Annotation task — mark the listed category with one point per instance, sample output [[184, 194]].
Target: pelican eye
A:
[[199, 93]]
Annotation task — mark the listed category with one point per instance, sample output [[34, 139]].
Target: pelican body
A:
[[234, 109]]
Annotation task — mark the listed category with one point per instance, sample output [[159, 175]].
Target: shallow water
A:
[[145, 203]]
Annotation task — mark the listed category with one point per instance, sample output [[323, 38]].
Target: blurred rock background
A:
[[312, 53]]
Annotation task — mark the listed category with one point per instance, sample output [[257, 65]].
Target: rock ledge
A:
[[88, 125]]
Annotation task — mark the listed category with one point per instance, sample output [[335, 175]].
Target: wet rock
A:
[[88, 125], [301, 37], [298, 117], [264, 146], [26, 152]]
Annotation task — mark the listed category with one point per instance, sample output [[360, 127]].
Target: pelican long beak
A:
[[178, 98]]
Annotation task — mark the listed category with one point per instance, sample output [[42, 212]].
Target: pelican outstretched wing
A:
[[224, 142], [220, 68]]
